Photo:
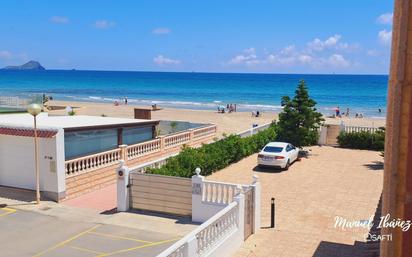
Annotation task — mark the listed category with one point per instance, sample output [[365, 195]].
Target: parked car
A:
[[278, 154]]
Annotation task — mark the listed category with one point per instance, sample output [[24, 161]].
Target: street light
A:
[[34, 110]]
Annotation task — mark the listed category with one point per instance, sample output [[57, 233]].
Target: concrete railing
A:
[[144, 148], [202, 240], [226, 221], [219, 192], [95, 161], [350, 129], [92, 162], [178, 139], [204, 132]]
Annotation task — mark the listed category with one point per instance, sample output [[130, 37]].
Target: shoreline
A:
[[227, 122]]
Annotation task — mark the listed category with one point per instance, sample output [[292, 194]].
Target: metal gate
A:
[[249, 212]]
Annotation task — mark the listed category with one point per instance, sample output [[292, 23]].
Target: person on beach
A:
[[337, 112], [347, 112], [125, 100]]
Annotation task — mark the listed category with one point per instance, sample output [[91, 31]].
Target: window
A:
[[83, 143], [136, 135], [273, 149]]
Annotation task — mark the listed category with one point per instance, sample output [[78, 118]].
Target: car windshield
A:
[[273, 149]]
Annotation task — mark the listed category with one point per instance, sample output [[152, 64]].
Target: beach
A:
[[227, 123]]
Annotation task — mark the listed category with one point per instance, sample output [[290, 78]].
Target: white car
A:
[[278, 154]]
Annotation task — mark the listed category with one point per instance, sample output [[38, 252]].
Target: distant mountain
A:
[[32, 65]]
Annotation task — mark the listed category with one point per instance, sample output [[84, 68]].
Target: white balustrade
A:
[[207, 235], [91, 162], [204, 132], [100, 160], [351, 129], [217, 228], [142, 149], [177, 139], [218, 192]]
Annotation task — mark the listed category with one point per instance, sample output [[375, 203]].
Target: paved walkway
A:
[[104, 199], [331, 182]]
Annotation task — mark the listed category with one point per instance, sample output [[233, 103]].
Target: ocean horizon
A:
[[202, 90]]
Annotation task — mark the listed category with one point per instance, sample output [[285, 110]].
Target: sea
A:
[[206, 91]]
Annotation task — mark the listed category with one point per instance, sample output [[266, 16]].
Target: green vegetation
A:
[[215, 156], [71, 113], [299, 121], [363, 140]]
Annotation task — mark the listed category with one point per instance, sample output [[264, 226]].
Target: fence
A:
[[172, 143], [328, 134], [226, 219], [204, 240], [254, 130], [350, 129]]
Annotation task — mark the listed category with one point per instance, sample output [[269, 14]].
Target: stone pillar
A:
[[191, 136], [197, 184], [123, 152], [257, 202], [397, 189], [162, 143], [122, 174]]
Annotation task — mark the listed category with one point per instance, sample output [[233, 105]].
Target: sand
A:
[[227, 123]]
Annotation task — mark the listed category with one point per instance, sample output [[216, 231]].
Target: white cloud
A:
[[104, 24], [248, 57], [385, 18], [319, 45], [5, 55], [162, 60], [385, 36], [338, 60], [59, 19], [161, 31]]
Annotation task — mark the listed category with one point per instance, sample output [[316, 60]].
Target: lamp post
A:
[[34, 110]]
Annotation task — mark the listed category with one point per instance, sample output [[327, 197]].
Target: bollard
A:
[[272, 213]]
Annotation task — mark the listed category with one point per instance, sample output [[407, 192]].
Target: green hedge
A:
[[363, 140], [215, 156]]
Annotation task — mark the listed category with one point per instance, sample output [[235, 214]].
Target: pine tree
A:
[[299, 122]]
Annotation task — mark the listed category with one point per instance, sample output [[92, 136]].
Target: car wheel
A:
[[287, 165]]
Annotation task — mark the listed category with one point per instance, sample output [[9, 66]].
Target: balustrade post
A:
[[123, 153], [342, 126], [197, 192], [240, 199], [191, 135], [162, 143], [256, 204]]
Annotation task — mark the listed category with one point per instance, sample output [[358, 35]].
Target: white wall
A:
[[17, 165]]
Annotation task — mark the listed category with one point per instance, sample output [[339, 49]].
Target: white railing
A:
[[177, 139], [91, 162], [207, 235], [141, 149], [350, 129], [254, 130], [204, 132], [218, 192]]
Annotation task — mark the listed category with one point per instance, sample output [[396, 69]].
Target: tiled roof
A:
[[27, 132]]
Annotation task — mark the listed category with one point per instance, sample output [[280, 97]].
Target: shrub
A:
[[215, 156], [363, 140]]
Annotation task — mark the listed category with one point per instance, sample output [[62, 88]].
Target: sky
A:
[[294, 36]]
